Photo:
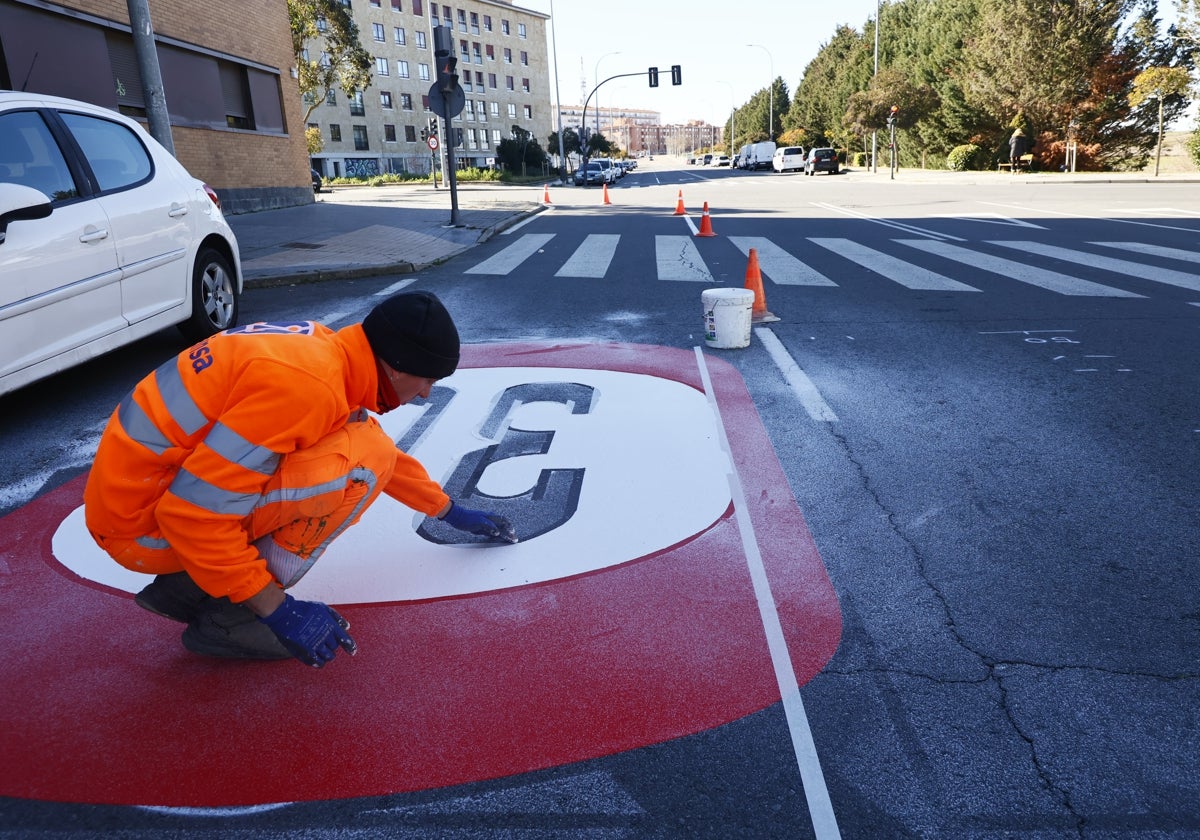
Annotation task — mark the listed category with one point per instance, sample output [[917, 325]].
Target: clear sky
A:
[[708, 39]]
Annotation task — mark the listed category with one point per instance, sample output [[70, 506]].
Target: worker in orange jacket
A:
[[228, 471]]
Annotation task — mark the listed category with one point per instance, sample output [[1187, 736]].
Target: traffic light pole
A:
[[448, 123], [651, 75]]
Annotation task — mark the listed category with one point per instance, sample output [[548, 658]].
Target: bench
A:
[[1026, 163]]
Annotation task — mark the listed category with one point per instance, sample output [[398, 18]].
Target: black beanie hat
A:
[[413, 333]]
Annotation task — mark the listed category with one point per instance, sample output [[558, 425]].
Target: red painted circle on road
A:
[[103, 705]]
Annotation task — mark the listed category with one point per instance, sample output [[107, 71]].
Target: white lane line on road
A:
[[778, 264], [395, 287], [897, 270], [678, 259], [1132, 269], [592, 258], [1052, 281], [691, 224], [510, 231], [816, 792], [512, 256], [796, 378], [1030, 210], [907, 228]]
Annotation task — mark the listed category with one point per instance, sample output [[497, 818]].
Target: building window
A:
[[495, 137], [377, 32], [331, 97], [381, 66], [469, 110], [396, 6], [410, 134], [335, 133], [477, 51], [398, 33], [524, 58], [360, 139], [421, 44], [520, 30], [487, 23], [385, 99], [423, 72], [525, 85], [389, 133], [357, 109], [417, 7], [474, 23], [512, 110], [528, 112], [406, 101], [507, 56], [504, 26], [492, 80], [375, 3], [481, 110], [471, 138], [466, 82], [508, 82], [479, 79], [322, 24], [434, 15], [402, 69], [490, 52], [462, 21], [495, 106], [464, 52]]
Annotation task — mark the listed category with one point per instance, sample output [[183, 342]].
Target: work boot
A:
[[232, 631], [175, 596]]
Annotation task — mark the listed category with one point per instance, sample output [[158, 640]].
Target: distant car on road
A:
[[592, 174], [720, 160], [316, 180], [821, 160], [104, 239]]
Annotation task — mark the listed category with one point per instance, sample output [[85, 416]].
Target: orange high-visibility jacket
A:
[[189, 451]]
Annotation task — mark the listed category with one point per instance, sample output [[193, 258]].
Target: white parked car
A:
[[720, 160], [787, 158], [104, 239]]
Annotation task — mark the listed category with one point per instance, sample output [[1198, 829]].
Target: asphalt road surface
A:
[[984, 402]]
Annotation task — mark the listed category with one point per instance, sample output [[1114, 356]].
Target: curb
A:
[[288, 277]]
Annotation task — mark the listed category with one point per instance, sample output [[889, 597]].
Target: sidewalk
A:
[[363, 231]]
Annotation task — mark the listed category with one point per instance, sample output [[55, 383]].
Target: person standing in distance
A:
[[229, 470]]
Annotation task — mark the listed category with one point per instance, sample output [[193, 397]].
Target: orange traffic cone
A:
[[705, 223], [546, 194], [606, 201], [679, 209], [758, 313]]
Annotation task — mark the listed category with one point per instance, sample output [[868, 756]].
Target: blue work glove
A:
[[310, 630], [479, 522]]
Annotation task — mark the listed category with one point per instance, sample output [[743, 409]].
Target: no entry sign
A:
[[625, 616]]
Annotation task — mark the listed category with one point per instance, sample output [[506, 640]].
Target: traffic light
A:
[[446, 77], [891, 120], [433, 125], [424, 134], [676, 74], [653, 77]]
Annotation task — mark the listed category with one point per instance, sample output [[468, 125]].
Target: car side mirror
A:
[[19, 203]]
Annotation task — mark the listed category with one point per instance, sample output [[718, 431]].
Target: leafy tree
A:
[[342, 63], [571, 144], [521, 152], [313, 140], [1158, 83], [840, 68]]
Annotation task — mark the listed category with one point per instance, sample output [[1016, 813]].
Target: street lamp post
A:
[[562, 159], [601, 58], [875, 133], [770, 93]]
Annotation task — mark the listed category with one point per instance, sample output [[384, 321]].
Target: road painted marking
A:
[[778, 264], [1133, 269], [678, 259], [511, 230], [388, 291], [990, 218], [1153, 250], [804, 389], [1086, 216], [592, 258], [907, 228], [897, 270], [512, 256], [816, 792], [1043, 278]]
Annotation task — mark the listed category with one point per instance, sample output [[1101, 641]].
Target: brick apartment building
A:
[[503, 68], [233, 103]]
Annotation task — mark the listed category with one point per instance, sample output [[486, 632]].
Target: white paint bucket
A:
[[727, 317]]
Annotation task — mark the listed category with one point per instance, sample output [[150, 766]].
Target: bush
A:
[[860, 160], [1193, 146], [965, 158]]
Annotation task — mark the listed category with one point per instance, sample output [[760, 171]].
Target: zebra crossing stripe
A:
[[897, 270], [1132, 269], [1051, 280], [778, 264], [592, 258], [512, 256], [1153, 250], [678, 259]]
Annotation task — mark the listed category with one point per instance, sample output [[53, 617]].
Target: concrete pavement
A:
[[362, 231]]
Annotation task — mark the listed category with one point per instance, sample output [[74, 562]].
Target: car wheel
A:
[[214, 297]]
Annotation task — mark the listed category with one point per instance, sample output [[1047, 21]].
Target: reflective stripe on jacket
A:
[[188, 453]]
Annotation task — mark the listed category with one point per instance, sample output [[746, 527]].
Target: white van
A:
[[757, 155], [787, 158]]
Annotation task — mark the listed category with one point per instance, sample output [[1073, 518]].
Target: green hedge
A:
[[964, 158]]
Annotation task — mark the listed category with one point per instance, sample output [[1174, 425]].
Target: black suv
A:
[[821, 160]]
